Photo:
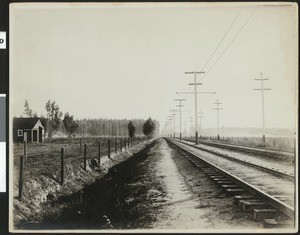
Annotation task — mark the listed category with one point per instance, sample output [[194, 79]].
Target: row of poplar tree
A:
[[55, 121]]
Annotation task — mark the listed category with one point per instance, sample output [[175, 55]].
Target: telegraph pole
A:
[[173, 115], [180, 100], [218, 103], [262, 89], [195, 91]]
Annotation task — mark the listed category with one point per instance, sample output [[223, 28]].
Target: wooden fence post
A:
[[128, 142], [99, 151], [84, 163], [21, 178], [125, 143], [131, 141], [121, 144], [25, 151], [116, 150], [108, 146], [62, 166]]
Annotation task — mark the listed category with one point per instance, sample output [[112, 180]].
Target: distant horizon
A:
[[177, 127]]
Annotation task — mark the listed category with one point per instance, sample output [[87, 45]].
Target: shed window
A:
[[20, 132]]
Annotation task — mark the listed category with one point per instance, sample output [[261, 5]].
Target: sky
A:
[[129, 60]]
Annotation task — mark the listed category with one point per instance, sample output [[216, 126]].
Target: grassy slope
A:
[[41, 181]]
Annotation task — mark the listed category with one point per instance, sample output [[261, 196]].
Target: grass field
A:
[[45, 158]]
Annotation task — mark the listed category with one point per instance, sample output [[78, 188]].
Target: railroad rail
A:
[[245, 162], [257, 151], [269, 199]]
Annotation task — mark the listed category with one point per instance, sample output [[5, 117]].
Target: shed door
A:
[[40, 134], [35, 134]]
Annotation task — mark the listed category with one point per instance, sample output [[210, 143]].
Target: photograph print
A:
[[153, 117]]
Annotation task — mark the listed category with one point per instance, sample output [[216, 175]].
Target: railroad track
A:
[[277, 172], [256, 198], [280, 154]]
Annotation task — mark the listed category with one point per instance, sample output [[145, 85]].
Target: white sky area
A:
[[128, 61]]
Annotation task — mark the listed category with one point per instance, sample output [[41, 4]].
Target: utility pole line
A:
[[218, 103], [262, 89], [173, 115], [195, 90], [180, 100], [195, 93]]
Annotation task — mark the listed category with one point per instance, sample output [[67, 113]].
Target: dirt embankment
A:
[[39, 192]]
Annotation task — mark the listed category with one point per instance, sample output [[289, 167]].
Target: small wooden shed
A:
[[29, 129]]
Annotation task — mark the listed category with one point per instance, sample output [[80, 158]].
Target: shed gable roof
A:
[[25, 123]]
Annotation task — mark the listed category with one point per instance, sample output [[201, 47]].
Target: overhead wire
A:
[[240, 30], [222, 39], [252, 67]]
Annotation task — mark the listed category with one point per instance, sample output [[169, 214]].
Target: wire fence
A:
[[51, 157]]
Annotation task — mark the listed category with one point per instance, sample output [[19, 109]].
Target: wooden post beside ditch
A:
[[62, 166], [21, 177], [84, 163]]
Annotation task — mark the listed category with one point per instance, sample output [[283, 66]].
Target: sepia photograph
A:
[[153, 117]]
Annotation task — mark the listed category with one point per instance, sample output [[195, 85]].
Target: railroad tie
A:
[[236, 199], [241, 202], [234, 191], [219, 182], [208, 170], [250, 205], [261, 214], [216, 179], [213, 175], [228, 186]]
